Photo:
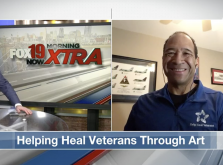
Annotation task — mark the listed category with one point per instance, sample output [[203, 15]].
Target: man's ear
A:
[[197, 62]]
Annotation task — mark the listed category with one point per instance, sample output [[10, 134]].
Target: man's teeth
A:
[[179, 70]]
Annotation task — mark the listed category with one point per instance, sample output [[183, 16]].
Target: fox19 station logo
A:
[[36, 54]]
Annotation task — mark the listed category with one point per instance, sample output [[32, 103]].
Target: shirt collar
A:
[[198, 96]]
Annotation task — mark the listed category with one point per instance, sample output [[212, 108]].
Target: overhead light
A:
[[215, 24], [177, 21], [165, 22], [206, 25]]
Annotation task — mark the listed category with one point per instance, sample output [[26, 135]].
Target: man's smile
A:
[[177, 70]]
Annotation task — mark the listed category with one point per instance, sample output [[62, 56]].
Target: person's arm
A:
[[220, 121], [130, 125], [9, 92], [219, 111]]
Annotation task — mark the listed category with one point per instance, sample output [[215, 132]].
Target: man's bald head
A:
[[193, 41]]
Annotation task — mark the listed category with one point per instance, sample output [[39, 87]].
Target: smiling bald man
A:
[[184, 104]]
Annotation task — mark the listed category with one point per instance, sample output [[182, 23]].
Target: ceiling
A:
[[212, 39]]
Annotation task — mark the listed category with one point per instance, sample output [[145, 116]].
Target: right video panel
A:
[[163, 73]]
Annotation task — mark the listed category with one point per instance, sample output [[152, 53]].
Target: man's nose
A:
[[178, 58]]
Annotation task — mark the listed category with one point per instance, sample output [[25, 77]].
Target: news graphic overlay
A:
[[110, 140], [59, 63], [36, 53]]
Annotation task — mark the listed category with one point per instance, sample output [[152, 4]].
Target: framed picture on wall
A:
[[132, 78], [216, 76]]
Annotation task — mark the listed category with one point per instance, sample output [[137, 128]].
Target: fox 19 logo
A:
[[35, 54]]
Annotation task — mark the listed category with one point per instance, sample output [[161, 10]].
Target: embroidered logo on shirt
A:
[[201, 116]]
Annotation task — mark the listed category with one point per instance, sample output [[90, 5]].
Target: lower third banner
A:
[[109, 140]]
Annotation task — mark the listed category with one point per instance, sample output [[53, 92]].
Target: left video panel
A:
[[64, 68]]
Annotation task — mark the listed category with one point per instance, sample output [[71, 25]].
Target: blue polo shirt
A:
[[202, 111]]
